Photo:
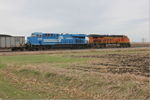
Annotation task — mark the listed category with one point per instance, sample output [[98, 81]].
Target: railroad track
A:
[[133, 45], [68, 50]]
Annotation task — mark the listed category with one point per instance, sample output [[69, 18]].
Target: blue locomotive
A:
[[39, 40]]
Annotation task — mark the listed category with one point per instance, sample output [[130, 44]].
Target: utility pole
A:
[[143, 40]]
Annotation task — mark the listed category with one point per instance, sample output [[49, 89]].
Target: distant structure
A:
[[143, 40]]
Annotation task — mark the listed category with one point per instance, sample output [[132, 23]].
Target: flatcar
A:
[[101, 41]]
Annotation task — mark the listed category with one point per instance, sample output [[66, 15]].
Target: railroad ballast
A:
[[42, 41]]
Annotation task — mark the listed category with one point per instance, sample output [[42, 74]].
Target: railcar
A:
[[12, 42], [41, 41], [101, 41]]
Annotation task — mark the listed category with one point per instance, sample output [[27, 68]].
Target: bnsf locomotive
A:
[[100, 41], [42, 41]]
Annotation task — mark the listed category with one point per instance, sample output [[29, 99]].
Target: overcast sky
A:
[[129, 17]]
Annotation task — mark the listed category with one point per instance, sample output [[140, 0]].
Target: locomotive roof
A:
[[4, 35], [80, 35], [96, 35], [65, 34]]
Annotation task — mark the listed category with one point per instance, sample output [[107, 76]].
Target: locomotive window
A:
[[81, 37], [33, 35], [48, 35], [39, 35], [57, 36]]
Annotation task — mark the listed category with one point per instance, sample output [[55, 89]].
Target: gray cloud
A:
[[128, 17]]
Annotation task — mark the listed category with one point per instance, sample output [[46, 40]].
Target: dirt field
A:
[[119, 73], [139, 44]]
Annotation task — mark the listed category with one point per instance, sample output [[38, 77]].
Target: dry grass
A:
[[99, 74]]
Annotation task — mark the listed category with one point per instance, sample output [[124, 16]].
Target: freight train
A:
[[43, 41]]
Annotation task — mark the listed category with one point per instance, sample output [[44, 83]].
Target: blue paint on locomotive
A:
[[38, 38]]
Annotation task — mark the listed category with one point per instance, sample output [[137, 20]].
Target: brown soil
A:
[[137, 64], [140, 44]]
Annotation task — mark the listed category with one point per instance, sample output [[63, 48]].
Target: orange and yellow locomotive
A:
[[109, 40]]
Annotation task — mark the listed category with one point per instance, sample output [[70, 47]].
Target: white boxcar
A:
[[7, 41]]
